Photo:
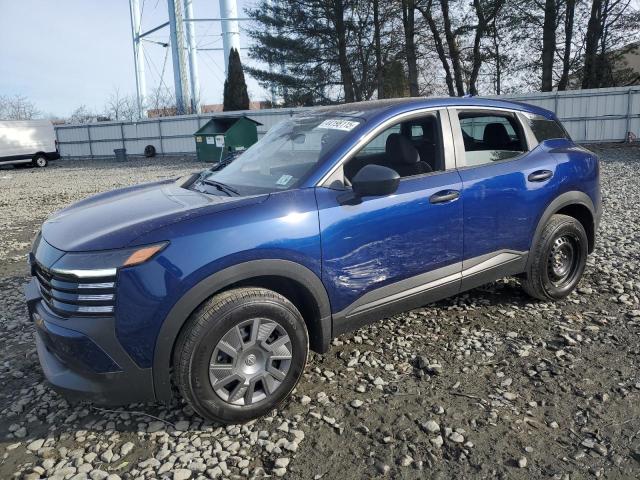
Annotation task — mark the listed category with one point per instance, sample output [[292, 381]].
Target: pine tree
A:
[[320, 51], [236, 96]]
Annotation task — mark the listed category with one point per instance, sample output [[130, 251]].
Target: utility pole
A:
[[138, 57], [176, 31], [193, 58], [230, 31], [272, 88]]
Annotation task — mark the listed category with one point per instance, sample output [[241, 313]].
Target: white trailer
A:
[[27, 142]]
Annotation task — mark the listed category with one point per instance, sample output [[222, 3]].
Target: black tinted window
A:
[[544, 129]]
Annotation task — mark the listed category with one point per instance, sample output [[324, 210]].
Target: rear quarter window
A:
[[545, 129]]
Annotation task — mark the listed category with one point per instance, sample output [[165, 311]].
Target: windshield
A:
[[283, 157]]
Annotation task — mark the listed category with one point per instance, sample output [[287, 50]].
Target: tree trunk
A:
[[496, 48], [477, 54], [594, 29], [568, 38], [409, 22], [426, 13], [345, 68], [376, 38], [548, 44], [454, 52]]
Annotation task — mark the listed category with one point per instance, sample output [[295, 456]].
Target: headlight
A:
[[105, 263]]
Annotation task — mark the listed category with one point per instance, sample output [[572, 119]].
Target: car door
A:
[[507, 180], [393, 252]]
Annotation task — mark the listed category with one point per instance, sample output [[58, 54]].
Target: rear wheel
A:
[[558, 260], [240, 354], [40, 161]]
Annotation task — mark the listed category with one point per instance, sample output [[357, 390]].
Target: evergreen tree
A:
[[320, 51], [236, 96]]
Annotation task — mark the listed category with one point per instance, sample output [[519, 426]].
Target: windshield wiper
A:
[[221, 187]]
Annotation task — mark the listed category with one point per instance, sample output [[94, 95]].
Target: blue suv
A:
[[218, 283]]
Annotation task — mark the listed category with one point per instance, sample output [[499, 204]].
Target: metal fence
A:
[[590, 116]]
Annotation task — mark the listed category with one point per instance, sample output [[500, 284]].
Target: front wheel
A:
[[558, 260], [240, 354]]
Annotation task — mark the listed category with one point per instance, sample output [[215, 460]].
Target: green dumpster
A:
[[221, 136]]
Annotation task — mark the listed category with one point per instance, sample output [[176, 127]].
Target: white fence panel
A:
[[599, 115], [105, 132], [72, 134]]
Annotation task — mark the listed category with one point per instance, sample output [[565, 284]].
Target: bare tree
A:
[[121, 107], [409, 24], [569, 19], [82, 115], [17, 107]]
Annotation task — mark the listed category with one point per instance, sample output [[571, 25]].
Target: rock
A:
[[181, 474], [98, 474], [35, 445], [437, 441], [357, 403], [126, 448], [509, 396], [588, 443], [282, 462], [279, 472], [305, 400], [431, 426], [382, 468], [214, 472], [456, 437], [107, 456], [522, 462], [155, 426], [182, 425]]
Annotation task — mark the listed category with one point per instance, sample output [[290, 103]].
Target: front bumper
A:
[[82, 358]]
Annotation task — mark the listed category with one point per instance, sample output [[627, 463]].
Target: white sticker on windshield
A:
[[336, 124], [284, 179]]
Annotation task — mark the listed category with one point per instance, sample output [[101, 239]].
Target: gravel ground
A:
[[488, 384]]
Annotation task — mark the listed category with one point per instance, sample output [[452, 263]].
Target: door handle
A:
[[540, 175], [444, 196]]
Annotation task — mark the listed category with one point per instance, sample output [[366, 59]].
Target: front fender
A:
[[183, 308]]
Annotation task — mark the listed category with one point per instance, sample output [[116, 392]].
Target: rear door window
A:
[[490, 137]]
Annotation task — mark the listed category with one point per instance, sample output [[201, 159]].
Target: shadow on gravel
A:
[[71, 418]]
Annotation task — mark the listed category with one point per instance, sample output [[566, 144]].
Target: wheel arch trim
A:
[[183, 308], [566, 199]]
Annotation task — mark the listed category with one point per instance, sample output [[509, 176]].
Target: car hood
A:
[[116, 219]]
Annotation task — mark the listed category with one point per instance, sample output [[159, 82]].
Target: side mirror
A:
[[371, 181]]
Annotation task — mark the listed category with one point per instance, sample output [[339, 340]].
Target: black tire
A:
[[149, 151], [40, 161], [558, 259], [202, 335]]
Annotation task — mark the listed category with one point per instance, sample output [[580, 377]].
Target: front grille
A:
[[68, 295]]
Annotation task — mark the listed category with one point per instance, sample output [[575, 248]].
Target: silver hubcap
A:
[[561, 260], [250, 362], [41, 162]]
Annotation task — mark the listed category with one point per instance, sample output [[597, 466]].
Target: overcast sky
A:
[[65, 53]]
